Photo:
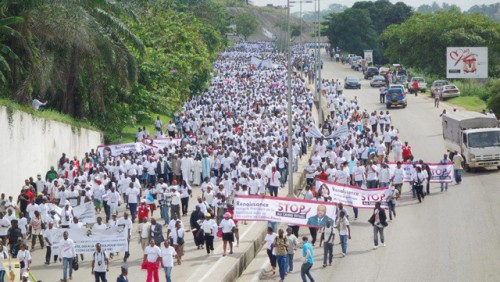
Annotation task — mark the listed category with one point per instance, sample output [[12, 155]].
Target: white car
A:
[[449, 91], [422, 85]]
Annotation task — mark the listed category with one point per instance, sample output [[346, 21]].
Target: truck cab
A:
[[476, 136]]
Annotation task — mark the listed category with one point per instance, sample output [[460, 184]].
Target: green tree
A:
[[246, 24], [412, 40], [6, 52], [494, 100], [352, 30]]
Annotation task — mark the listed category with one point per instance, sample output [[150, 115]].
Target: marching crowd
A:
[[231, 140]]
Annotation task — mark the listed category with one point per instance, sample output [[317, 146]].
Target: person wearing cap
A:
[[123, 276], [143, 210], [209, 229], [175, 203], [227, 225], [66, 215]]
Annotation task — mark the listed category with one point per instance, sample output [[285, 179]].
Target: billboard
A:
[[467, 62], [369, 56]]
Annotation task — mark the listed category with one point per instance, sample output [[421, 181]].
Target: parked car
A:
[[437, 85], [377, 81], [395, 97], [422, 85], [370, 72], [352, 82], [449, 91], [354, 61]]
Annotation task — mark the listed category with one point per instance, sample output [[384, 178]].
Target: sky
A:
[[463, 4]]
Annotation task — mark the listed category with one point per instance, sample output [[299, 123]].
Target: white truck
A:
[[475, 135]]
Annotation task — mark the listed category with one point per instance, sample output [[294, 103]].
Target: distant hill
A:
[[491, 11], [270, 18]]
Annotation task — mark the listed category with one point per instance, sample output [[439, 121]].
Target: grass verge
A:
[[129, 131], [470, 103], [46, 114]]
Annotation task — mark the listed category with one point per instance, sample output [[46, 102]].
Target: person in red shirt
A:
[[415, 87], [143, 210], [406, 152], [323, 175]]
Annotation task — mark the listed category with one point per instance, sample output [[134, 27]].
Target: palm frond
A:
[[115, 24]]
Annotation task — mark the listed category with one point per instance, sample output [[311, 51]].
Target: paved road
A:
[[452, 236]]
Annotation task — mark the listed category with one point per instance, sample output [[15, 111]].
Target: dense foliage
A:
[[358, 27], [412, 40], [246, 24], [108, 62]]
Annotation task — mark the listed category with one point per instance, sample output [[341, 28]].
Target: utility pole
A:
[[291, 160], [318, 76]]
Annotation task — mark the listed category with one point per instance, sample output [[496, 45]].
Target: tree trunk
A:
[[68, 105]]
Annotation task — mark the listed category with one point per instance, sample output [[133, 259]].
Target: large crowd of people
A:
[[231, 140]]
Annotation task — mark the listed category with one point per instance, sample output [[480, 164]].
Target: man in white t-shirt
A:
[[100, 263], [151, 257], [274, 181], [133, 194], [167, 254], [67, 254]]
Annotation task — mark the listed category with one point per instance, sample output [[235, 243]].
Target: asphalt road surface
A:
[[451, 236]]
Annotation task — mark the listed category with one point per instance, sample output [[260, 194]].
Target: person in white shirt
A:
[[24, 257], [274, 182], [397, 178], [38, 105], [126, 223], [371, 175], [209, 228], [100, 264], [99, 225], [269, 240], [133, 193], [384, 175], [151, 260], [167, 254], [227, 225], [67, 254]]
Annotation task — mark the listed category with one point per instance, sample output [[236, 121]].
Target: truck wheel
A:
[[498, 167], [467, 167]]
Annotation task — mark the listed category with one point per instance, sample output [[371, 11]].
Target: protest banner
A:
[[85, 213], [114, 239], [351, 195], [115, 150], [283, 210], [339, 133], [160, 143], [440, 173]]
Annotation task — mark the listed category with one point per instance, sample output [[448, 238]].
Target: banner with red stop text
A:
[[350, 195], [440, 172], [284, 210]]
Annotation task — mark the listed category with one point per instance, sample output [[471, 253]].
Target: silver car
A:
[[449, 91]]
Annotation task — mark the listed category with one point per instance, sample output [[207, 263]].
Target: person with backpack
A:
[[100, 264], [379, 221]]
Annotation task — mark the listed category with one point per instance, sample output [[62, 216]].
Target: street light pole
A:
[[291, 160], [318, 77]]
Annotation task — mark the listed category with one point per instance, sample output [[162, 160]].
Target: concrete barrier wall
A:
[[30, 145]]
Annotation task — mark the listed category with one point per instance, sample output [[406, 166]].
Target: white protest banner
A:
[[340, 132], [115, 150], [313, 131], [85, 212], [112, 239], [284, 210], [160, 143], [441, 173], [351, 195]]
